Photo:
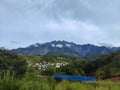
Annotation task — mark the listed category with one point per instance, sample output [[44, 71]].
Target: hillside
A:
[[105, 66], [108, 65], [66, 49]]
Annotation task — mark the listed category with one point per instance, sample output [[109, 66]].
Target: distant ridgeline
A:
[[66, 49]]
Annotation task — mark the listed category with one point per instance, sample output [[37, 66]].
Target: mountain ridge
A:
[[66, 48]]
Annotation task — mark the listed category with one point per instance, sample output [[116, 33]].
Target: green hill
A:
[[104, 67], [108, 65]]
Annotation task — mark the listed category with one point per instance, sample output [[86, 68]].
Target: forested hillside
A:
[[35, 71], [103, 67]]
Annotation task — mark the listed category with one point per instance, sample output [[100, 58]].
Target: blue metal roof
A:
[[72, 77]]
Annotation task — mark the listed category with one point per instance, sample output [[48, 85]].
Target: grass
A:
[[8, 82], [34, 82]]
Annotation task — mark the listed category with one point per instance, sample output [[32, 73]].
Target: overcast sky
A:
[[24, 22]]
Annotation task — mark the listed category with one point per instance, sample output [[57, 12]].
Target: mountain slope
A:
[[108, 65], [65, 48]]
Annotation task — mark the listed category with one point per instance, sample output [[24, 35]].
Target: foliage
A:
[[104, 67], [35, 82], [12, 62], [49, 71], [8, 82], [108, 65], [73, 68]]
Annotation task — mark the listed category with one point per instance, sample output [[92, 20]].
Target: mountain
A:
[[65, 48], [2, 48]]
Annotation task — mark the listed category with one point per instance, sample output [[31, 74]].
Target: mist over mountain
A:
[[66, 48]]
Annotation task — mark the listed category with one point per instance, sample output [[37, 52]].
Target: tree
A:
[[12, 63]]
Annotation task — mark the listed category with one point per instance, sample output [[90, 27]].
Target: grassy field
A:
[[33, 82]]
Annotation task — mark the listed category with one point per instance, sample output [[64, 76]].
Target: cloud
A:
[[80, 21], [14, 42], [106, 44]]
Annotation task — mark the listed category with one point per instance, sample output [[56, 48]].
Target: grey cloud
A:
[[106, 44], [80, 21], [14, 42]]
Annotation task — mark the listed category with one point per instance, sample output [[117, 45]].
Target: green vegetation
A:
[[33, 72], [107, 65], [13, 63], [34, 82]]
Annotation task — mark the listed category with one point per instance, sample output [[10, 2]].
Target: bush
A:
[[12, 62]]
